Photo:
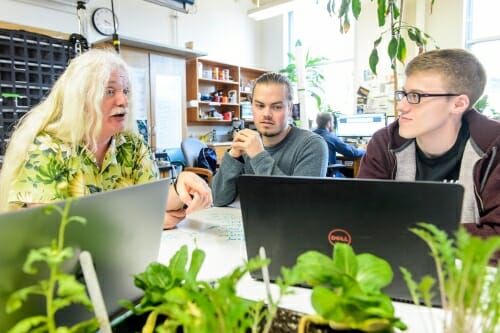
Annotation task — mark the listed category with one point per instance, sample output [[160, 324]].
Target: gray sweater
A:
[[300, 153]]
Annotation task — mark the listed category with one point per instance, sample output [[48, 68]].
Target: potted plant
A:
[[346, 291], [482, 105], [175, 299], [313, 74], [468, 287], [387, 11], [346, 295]]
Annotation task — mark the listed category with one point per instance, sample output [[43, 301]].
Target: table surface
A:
[[219, 232]]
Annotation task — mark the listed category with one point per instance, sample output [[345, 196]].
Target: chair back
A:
[[191, 149]]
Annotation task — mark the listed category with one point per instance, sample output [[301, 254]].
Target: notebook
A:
[[123, 234], [291, 215]]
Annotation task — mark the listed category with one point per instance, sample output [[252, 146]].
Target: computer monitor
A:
[[391, 119], [359, 125]]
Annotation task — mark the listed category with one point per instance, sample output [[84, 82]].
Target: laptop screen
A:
[[291, 215], [123, 234]]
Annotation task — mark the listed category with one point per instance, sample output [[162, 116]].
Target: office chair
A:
[[191, 148], [170, 162], [332, 169]]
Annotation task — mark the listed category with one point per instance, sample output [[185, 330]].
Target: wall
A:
[[447, 32], [220, 28]]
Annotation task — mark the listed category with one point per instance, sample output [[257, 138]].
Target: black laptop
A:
[[291, 215], [123, 234]]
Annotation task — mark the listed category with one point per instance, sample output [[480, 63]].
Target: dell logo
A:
[[339, 235]]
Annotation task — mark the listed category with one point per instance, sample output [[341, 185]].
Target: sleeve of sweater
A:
[[224, 182]]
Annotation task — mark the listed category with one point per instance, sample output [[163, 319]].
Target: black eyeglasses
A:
[[414, 97]]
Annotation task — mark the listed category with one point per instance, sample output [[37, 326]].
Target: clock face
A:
[[102, 18]]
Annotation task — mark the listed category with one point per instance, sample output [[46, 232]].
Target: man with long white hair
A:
[[83, 139]]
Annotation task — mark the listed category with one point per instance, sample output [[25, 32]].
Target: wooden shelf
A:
[[200, 81]]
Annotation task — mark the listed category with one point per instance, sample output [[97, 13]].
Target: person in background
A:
[[275, 147], [324, 121], [83, 139], [439, 136]]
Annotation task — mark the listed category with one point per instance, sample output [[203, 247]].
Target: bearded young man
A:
[[275, 148]]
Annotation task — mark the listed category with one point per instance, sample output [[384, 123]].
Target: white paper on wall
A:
[[168, 111], [138, 78]]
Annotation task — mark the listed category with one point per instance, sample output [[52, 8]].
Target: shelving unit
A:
[[247, 77], [29, 65], [206, 80]]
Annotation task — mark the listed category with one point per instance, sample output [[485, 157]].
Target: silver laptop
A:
[[123, 234], [291, 215]]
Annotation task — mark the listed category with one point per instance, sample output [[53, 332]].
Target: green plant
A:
[[59, 289], [347, 289], [174, 297], [313, 74], [468, 288], [482, 105], [387, 11]]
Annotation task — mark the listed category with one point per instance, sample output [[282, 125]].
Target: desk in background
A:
[[351, 163], [219, 232]]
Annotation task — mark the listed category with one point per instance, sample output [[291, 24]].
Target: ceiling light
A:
[[271, 9]]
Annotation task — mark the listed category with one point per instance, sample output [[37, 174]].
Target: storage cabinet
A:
[[247, 77], [29, 64], [215, 91]]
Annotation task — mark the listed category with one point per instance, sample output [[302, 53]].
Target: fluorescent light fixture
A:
[[68, 6], [271, 9]]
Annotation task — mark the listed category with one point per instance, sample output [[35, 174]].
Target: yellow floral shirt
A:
[[53, 172]]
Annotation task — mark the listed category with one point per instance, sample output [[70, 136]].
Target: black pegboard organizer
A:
[[30, 63]]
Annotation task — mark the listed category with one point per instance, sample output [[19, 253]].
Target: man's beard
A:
[[269, 134]]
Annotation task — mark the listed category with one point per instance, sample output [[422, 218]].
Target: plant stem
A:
[[51, 322], [62, 226]]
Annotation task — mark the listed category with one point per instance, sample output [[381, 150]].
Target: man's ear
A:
[[461, 104]]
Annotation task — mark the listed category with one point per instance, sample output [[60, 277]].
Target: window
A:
[[483, 39], [319, 33]]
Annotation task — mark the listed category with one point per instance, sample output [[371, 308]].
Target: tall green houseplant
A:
[[391, 12], [313, 75]]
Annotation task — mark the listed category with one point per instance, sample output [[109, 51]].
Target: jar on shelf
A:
[[225, 74], [215, 73]]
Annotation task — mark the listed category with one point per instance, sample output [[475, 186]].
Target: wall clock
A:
[[102, 19]]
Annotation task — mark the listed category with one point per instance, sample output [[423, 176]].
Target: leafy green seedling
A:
[[174, 297], [59, 289], [468, 288], [346, 289]]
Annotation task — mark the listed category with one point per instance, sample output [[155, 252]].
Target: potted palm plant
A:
[[313, 74]]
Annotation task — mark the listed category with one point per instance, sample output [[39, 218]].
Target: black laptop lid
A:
[[123, 234], [291, 215]]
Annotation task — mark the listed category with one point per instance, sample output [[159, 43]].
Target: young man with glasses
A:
[[440, 137]]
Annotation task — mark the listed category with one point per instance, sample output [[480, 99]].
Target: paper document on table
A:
[[217, 228]]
